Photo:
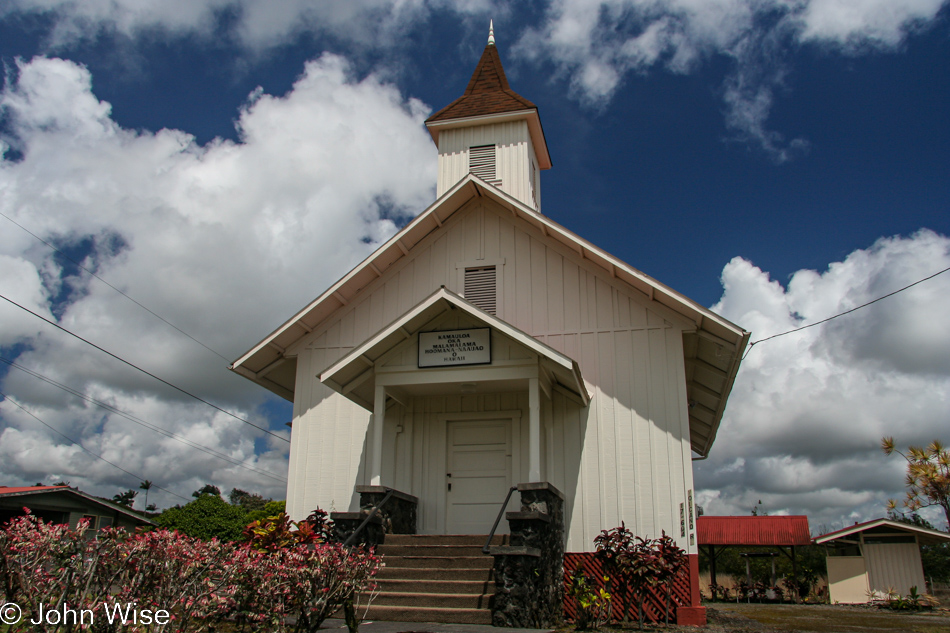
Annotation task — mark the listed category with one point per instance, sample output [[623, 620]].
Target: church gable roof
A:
[[712, 346], [487, 93]]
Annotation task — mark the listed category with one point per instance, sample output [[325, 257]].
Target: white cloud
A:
[[598, 43], [809, 409], [594, 44], [860, 23], [224, 240], [254, 24]]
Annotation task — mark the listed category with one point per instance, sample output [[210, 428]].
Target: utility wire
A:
[[863, 305], [146, 372], [26, 411], [108, 407], [157, 316]]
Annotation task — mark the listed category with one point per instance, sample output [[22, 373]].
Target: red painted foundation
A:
[[686, 598], [691, 616], [694, 614]]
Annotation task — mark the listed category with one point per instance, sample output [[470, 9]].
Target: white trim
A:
[[863, 527]]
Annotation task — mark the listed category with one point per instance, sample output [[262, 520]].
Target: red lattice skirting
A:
[[684, 598]]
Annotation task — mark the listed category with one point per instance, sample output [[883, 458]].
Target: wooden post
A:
[[379, 415], [534, 430]]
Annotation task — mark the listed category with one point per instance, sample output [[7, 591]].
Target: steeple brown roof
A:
[[487, 93]]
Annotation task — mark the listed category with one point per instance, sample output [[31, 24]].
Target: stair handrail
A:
[[349, 541], [491, 535]]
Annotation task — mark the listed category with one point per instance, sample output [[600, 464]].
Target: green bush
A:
[[207, 517]]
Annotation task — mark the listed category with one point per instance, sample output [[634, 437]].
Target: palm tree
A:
[[146, 486]]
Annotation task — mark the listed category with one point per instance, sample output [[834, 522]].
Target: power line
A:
[[156, 315], [26, 411], [863, 305], [147, 373], [108, 407]]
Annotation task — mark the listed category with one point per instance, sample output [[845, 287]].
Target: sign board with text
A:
[[456, 347]]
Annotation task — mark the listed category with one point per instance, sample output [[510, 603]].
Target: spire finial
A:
[[491, 32]]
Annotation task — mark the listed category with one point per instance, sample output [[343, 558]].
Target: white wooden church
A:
[[484, 345]]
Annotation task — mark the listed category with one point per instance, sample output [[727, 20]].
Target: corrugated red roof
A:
[[6, 490], [753, 530], [487, 93]]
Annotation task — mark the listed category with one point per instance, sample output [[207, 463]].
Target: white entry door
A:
[[478, 475]]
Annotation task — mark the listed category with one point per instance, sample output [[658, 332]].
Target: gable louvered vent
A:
[[481, 162], [480, 288]]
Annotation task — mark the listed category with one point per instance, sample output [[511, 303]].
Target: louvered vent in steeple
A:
[[480, 288], [481, 162]]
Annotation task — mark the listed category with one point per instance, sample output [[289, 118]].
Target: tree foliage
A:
[[126, 498], [248, 500], [206, 489], [207, 517], [928, 476]]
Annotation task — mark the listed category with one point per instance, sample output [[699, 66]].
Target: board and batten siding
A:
[[515, 164], [894, 565], [626, 457]]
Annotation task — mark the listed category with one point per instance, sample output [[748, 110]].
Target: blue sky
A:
[[780, 160]]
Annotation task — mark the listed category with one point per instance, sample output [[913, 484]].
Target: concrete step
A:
[[428, 614], [434, 578], [391, 572], [424, 600], [436, 562], [453, 551], [432, 586], [444, 539]]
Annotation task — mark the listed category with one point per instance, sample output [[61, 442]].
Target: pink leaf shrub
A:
[[198, 583]]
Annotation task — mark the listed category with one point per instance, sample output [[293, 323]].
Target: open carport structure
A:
[[783, 533]]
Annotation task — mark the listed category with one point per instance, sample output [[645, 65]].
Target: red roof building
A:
[[717, 533], [758, 531]]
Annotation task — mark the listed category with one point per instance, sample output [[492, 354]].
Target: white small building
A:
[[485, 345], [875, 558]]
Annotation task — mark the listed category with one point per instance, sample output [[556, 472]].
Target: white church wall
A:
[[625, 458]]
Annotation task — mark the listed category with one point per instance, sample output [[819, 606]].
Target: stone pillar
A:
[[399, 513], [529, 574], [346, 523], [397, 516]]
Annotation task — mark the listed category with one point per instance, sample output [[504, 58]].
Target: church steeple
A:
[[491, 131]]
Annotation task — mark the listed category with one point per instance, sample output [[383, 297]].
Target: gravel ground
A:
[[766, 618], [730, 618]]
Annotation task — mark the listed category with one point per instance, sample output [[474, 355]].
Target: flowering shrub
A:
[[46, 567]]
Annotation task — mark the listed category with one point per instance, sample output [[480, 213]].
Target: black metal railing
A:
[[501, 512], [369, 517]]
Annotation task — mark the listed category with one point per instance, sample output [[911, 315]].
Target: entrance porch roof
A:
[[355, 375]]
